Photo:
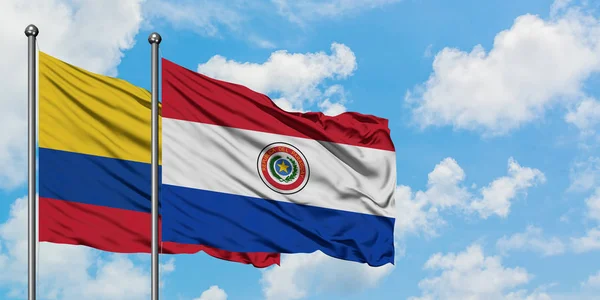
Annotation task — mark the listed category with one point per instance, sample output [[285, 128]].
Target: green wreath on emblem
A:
[[290, 177]]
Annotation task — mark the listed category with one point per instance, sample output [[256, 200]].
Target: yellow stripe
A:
[[87, 113]]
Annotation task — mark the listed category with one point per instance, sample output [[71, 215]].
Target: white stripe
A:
[[224, 159]]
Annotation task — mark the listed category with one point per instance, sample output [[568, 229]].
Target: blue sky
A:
[[492, 106]]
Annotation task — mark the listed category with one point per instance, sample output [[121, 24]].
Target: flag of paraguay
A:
[[240, 174]]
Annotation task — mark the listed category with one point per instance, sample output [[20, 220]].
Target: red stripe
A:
[[120, 231], [190, 96]]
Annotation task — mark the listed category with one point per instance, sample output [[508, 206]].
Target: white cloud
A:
[[589, 242], [301, 11], [588, 291], [532, 239], [213, 293], [586, 116], [335, 98], [585, 175], [420, 212], [428, 51], [202, 16], [415, 214], [593, 205], [513, 84], [331, 109], [75, 31], [292, 79], [559, 6], [168, 266], [213, 18], [210, 18], [496, 196], [443, 185], [524, 295], [261, 42], [66, 271], [302, 274], [593, 282], [487, 278]]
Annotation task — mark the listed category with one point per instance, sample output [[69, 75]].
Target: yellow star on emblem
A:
[[282, 167]]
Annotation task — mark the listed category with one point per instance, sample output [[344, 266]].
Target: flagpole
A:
[[154, 39], [31, 32]]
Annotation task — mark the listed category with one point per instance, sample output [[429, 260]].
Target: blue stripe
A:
[[246, 224], [94, 180]]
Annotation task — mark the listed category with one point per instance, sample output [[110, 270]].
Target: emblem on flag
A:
[[283, 168]]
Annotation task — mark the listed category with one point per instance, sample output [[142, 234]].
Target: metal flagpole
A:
[[154, 39], [31, 32]]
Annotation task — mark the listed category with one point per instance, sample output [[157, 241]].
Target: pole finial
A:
[[154, 38], [31, 30]]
